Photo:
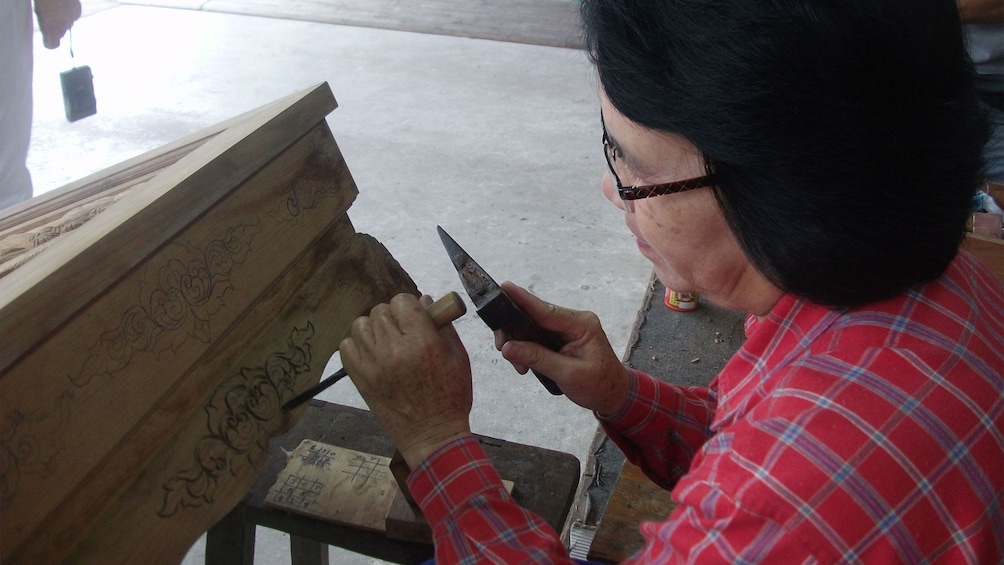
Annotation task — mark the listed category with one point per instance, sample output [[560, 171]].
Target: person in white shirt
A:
[[55, 17]]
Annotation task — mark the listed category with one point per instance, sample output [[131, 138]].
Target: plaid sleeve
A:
[[473, 518], [662, 426]]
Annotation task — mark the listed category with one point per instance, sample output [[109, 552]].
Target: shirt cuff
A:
[[637, 408], [448, 478]]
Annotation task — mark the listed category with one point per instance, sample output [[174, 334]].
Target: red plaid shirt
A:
[[873, 436]]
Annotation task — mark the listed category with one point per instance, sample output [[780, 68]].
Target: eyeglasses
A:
[[631, 193]]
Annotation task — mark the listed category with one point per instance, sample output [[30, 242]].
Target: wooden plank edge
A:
[[128, 220], [146, 163]]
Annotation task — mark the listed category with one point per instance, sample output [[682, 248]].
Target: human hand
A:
[[55, 18], [585, 368], [415, 379]]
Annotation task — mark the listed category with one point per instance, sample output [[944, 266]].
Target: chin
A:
[[672, 281]]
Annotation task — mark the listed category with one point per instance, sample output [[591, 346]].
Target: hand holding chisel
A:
[[496, 308], [443, 311]]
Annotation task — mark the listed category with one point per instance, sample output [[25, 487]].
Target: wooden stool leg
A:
[[305, 551], [231, 540]]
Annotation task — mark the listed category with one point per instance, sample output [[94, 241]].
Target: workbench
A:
[[545, 483]]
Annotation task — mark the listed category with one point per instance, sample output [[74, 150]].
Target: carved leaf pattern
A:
[[17, 249], [29, 445], [237, 414], [243, 404]]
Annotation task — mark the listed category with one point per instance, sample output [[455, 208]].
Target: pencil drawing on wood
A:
[[176, 302], [236, 416]]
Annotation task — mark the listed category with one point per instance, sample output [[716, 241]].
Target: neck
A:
[[750, 292]]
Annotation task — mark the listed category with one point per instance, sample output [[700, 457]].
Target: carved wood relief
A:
[[18, 248], [237, 417], [137, 412]]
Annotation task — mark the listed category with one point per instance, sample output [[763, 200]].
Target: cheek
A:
[[664, 229], [672, 226], [679, 230]]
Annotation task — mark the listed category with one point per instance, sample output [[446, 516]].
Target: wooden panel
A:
[[215, 456], [30, 214], [635, 499], [185, 314], [82, 267]]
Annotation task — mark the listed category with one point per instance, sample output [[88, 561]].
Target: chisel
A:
[[494, 306]]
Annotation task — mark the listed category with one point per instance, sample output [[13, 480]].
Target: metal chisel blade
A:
[[478, 284], [495, 307]]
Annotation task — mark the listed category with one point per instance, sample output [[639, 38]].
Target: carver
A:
[[812, 164]]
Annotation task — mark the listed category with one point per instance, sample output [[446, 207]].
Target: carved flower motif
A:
[[138, 330], [168, 308], [213, 456], [263, 398], [234, 424]]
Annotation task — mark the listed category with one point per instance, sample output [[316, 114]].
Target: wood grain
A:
[[339, 485], [81, 267], [156, 342]]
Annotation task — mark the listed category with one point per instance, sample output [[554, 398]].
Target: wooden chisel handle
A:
[[443, 311], [446, 309]]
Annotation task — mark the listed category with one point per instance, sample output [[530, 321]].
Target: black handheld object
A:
[[78, 93], [495, 307]]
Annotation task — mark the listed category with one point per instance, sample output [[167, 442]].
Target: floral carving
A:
[[31, 444], [316, 180], [17, 249], [176, 303], [237, 418]]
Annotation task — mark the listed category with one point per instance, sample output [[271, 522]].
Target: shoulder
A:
[[950, 328], [958, 317], [863, 414]]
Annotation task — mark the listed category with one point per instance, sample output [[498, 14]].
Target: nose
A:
[[610, 191]]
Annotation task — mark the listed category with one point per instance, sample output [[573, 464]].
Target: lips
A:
[[642, 244]]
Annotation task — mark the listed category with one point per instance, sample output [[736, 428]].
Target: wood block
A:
[[157, 339], [401, 470], [634, 499], [405, 522], [546, 485], [335, 484], [349, 488]]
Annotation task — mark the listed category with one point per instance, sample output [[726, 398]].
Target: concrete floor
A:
[[497, 142]]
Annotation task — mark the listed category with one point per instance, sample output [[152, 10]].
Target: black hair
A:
[[845, 135]]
